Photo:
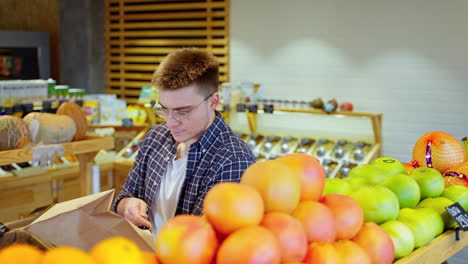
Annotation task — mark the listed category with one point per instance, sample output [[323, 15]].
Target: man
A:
[[181, 159]]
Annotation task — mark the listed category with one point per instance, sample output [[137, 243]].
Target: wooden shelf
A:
[[90, 144], [321, 112], [438, 251], [85, 150], [120, 127], [23, 196]]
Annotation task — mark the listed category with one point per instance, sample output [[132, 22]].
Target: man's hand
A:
[[134, 210]]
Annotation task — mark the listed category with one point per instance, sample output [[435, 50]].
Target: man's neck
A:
[[184, 147]]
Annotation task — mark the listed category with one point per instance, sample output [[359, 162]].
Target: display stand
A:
[[85, 150], [439, 250]]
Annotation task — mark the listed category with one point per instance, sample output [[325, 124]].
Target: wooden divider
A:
[[140, 33]]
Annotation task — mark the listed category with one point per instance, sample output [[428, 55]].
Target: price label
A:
[[241, 108], [458, 214]]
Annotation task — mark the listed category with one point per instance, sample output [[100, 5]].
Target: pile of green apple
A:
[[410, 207]]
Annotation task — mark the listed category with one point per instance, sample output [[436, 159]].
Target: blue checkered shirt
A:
[[217, 156]]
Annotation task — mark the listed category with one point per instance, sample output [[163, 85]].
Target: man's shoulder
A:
[[159, 134], [233, 147]]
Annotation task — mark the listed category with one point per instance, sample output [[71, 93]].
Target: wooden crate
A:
[[67, 185], [438, 251], [20, 197]]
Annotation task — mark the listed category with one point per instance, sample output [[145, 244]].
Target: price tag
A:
[[459, 214], [127, 122], [268, 108], [241, 108], [253, 108]]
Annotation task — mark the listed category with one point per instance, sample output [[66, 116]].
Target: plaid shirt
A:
[[217, 156]]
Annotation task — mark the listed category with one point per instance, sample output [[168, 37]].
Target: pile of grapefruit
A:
[[276, 214]]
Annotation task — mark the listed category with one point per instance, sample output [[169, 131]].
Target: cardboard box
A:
[[85, 221]]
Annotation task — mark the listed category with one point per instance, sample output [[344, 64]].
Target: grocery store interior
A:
[[344, 81]]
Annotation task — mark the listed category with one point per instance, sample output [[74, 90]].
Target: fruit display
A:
[[278, 213], [337, 157], [329, 137], [286, 210], [68, 124]]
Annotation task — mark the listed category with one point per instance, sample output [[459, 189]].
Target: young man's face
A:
[[188, 112]]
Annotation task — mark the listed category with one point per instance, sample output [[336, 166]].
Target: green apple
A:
[[338, 186], [389, 165], [425, 223], [356, 183], [405, 188], [430, 181], [373, 175], [439, 204], [457, 193], [378, 203], [402, 237]]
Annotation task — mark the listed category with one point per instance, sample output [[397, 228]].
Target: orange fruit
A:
[[310, 172], [249, 245], [229, 206], [21, 253], [376, 243], [150, 258], [409, 167], [290, 234], [442, 150], [457, 175], [67, 255], [349, 216], [186, 239], [322, 253], [449, 181], [278, 185], [318, 221], [351, 252], [117, 250]]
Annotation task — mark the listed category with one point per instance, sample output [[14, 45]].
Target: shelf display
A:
[[39, 187], [341, 140]]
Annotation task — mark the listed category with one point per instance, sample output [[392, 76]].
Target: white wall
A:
[[405, 59]]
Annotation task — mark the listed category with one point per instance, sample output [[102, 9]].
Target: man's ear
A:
[[214, 101]]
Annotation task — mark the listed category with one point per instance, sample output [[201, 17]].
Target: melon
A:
[[74, 111], [14, 133], [48, 128]]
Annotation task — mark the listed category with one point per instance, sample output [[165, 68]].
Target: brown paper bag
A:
[[85, 221]]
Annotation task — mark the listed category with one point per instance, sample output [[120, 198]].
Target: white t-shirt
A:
[[165, 203]]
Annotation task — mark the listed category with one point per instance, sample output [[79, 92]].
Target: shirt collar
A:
[[211, 133]]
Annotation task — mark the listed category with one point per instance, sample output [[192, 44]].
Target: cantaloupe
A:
[[48, 128], [14, 133], [74, 111]]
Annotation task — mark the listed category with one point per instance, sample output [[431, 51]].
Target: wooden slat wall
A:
[[140, 33]]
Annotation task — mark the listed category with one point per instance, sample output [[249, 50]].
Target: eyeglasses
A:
[[176, 114]]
